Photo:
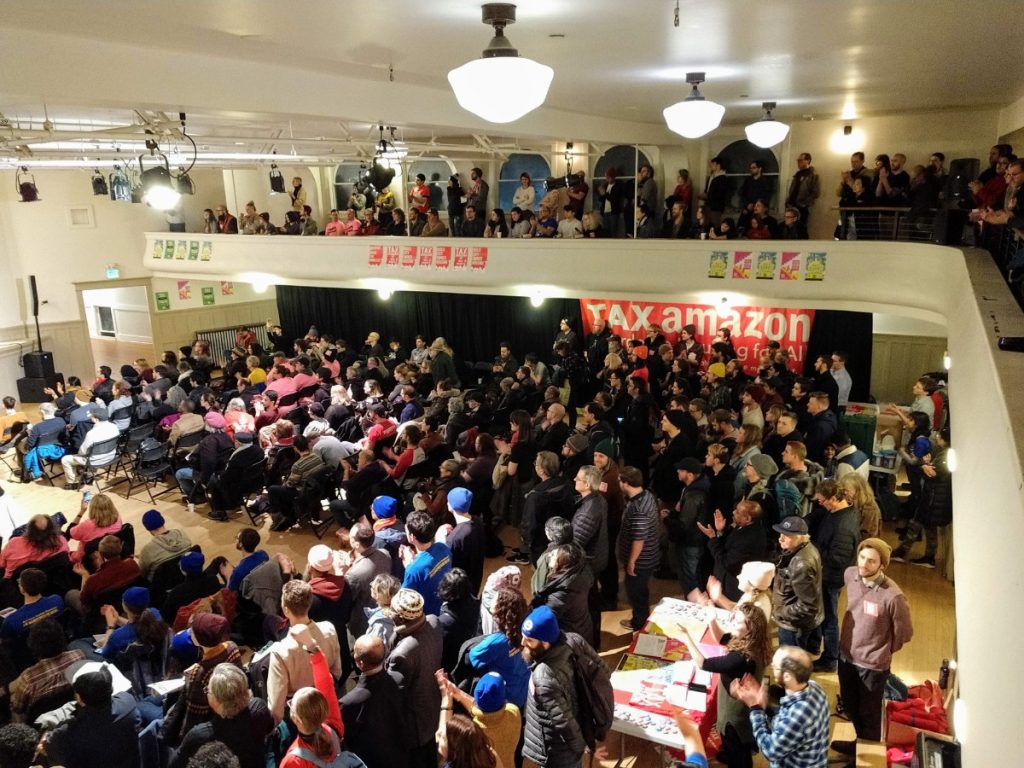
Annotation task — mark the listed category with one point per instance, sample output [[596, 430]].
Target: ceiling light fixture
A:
[[25, 182], [767, 132], [99, 184], [479, 84], [694, 116]]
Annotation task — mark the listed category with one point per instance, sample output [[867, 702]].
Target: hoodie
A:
[[492, 654], [160, 549]]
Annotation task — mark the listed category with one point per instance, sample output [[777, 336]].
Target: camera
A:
[[559, 182]]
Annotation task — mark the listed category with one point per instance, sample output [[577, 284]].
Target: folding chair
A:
[[10, 454], [185, 445], [312, 492], [151, 466], [51, 438], [251, 485], [92, 468], [132, 439]]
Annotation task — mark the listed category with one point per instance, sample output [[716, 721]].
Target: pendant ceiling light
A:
[[694, 116], [501, 86], [767, 132]]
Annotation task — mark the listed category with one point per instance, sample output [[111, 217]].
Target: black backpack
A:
[[594, 697]]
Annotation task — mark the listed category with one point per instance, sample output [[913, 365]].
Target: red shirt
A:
[[111, 575], [423, 191]]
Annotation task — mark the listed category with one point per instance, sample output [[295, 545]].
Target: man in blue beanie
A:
[[552, 736], [467, 537]]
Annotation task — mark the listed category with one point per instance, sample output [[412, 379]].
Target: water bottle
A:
[[944, 674]]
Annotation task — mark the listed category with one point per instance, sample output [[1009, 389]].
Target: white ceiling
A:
[[617, 60]]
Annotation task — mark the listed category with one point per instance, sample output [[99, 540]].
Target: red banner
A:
[[751, 327]]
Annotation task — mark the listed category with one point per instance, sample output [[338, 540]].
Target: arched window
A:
[[516, 165], [437, 172], [737, 158], [625, 160], [346, 176]]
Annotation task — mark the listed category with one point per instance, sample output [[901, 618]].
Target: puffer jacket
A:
[[566, 595], [590, 529], [796, 595], [936, 506], [551, 735]]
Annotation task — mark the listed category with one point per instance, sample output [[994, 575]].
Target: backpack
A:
[[594, 697], [788, 499]]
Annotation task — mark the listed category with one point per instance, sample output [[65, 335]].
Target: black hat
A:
[[792, 526], [690, 465]]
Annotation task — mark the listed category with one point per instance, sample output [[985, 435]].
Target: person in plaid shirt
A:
[[797, 735], [47, 643]]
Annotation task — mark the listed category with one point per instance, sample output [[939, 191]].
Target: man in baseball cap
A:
[[797, 601]]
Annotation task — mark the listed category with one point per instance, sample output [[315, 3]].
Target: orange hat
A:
[[641, 351]]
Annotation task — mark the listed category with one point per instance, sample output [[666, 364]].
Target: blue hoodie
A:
[[492, 654]]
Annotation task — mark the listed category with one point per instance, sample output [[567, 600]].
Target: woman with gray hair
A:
[[240, 720]]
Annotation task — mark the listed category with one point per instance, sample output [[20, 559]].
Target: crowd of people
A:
[[729, 207], [614, 461]]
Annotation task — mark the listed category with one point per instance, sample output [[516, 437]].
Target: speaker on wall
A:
[[38, 365]]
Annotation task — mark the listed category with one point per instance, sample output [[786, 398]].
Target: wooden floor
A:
[[930, 595]]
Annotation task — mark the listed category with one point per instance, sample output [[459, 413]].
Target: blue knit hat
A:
[[385, 506], [541, 624], [136, 598], [489, 693], [152, 520], [460, 500], [192, 562]]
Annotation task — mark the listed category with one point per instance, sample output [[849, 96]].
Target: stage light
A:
[[159, 189]]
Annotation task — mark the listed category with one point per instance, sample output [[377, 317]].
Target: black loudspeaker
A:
[[948, 228], [38, 365], [35, 294], [30, 388]]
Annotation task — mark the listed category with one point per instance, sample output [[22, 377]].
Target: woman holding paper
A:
[[748, 651]]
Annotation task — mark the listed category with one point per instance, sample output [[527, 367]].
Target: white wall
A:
[[230, 293], [130, 308], [36, 238]]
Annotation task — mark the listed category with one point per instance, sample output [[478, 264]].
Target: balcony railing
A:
[[892, 223]]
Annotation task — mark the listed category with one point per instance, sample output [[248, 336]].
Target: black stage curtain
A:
[[472, 324], [849, 332]]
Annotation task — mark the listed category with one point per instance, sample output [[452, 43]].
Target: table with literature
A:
[[656, 675]]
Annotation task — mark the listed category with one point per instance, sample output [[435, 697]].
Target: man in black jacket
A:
[[836, 539], [682, 521], [551, 497], [733, 546], [374, 711], [225, 489]]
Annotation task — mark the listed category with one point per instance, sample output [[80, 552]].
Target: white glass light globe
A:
[[693, 118], [766, 133], [502, 88]]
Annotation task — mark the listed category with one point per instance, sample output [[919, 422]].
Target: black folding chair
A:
[[185, 445], [10, 454], [123, 414], [132, 439], [50, 438], [251, 485], [152, 465], [313, 491]]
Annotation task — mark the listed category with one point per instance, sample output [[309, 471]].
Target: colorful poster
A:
[[376, 256], [207, 250], [460, 259], [208, 298], [718, 264], [158, 249], [227, 288], [742, 265], [168, 249], [426, 256], [752, 327], [767, 261], [408, 256], [184, 290], [816, 264], [193, 250], [790, 266], [163, 301], [477, 259], [182, 250], [392, 255]]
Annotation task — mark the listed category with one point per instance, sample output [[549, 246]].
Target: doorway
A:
[[119, 326]]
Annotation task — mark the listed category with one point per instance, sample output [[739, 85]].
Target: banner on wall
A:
[[752, 327]]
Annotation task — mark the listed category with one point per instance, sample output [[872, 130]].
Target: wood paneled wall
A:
[[897, 362]]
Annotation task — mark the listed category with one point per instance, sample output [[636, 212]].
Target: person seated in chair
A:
[[36, 607], [165, 544], [100, 432], [283, 497], [114, 573], [46, 678], [225, 489], [197, 584], [41, 540], [140, 624]]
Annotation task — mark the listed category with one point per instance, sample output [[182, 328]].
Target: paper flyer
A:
[[163, 301], [158, 249], [182, 250], [227, 288], [208, 297], [742, 265], [718, 264], [168, 249], [193, 250], [790, 266], [767, 261], [816, 265], [184, 290], [207, 250]]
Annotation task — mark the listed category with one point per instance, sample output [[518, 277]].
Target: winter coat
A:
[[694, 508], [590, 529], [551, 734], [837, 538], [797, 602], [566, 595]]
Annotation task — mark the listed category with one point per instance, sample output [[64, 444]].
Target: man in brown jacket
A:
[[875, 626]]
